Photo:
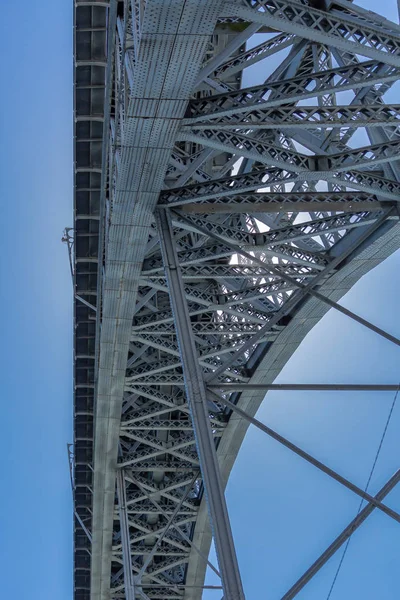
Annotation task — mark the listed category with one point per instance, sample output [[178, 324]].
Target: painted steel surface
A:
[[167, 120]]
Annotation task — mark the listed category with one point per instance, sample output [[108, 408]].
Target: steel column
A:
[[197, 399], [125, 538]]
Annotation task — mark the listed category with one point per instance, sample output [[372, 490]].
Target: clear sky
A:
[[35, 299], [283, 512]]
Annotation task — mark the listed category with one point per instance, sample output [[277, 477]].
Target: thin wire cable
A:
[[365, 490]]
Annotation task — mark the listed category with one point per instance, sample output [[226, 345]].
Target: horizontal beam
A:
[[258, 202], [310, 459], [181, 586], [283, 235], [315, 260], [214, 270], [306, 387], [288, 117], [295, 162], [290, 91], [264, 177], [252, 148]]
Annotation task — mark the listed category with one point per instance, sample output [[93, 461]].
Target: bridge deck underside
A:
[[267, 200]]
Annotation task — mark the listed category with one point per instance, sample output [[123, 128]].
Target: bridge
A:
[[236, 171]]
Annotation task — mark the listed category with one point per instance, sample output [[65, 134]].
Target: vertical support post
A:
[[197, 400], [125, 538]]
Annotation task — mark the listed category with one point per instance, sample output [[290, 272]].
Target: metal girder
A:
[[369, 182], [320, 117], [228, 50], [307, 387], [225, 186], [368, 16], [270, 202], [289, 305], [300, 87], [371, 39], [308, 167], [126, 197], [177, 528], [170, 524], [263, 178], [250, 57], [196, 394], [250, 148], [284, 235], [210, 252], [125, 538], [218, 272], [251, 314], [372, 155], [223, 301]]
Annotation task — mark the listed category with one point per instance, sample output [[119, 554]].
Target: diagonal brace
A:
[[307, 289], [282, 440], [339, 541], [168, 525], [125, 537], [197, 400], [177, 528], [294, 301]]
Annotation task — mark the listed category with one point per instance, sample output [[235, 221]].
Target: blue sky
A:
[[283, 513], [35, 300]]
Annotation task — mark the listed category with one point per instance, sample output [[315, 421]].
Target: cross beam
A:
[[277, 203], [305, 387], [281, 92], [307, 289], [285, 117]]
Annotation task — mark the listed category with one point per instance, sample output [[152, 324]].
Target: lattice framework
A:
[[218, 213]]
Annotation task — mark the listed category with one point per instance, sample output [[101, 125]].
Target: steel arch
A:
[[215, 223]]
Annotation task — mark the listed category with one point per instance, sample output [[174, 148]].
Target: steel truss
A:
[[215, 223]]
